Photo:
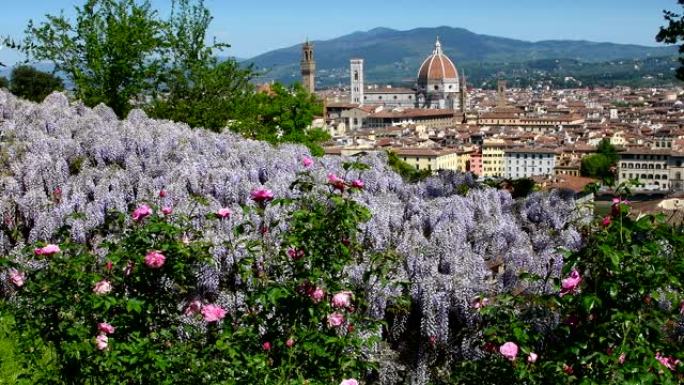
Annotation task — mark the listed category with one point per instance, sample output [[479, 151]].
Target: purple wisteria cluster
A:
[[65, 164]]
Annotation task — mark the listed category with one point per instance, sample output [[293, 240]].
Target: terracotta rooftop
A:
[[413, 112], [437, 66]]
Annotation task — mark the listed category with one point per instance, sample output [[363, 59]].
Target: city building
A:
[[529, 162], [649, 166], [430, 159], [440, 118], [493, 152], [438, 86]]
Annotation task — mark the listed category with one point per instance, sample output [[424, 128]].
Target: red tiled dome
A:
[[437, 66]]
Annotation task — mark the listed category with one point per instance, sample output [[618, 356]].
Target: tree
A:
[[282, 114], [111, 53], [673, 33], [606, 148], [197, 88], [409, 173], [32, 84], [4, 83]]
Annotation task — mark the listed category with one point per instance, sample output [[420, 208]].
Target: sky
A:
[[253, 27]]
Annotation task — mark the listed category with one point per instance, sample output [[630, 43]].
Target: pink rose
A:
[[349, 381], [213, 313], [167, 210], [358, 183], [668, 362], [570, 284], [509, 350], [105, 328], [307, 162], [622, 358], [162, 193], [295, 254], [17, 277], [47, 250], [194, 307], [342, 299], [607, 221], [289, 343], [532, 358], [109, 266], [101, 342], [480, 302], [102, 287], [141, 213], [567, 369], [317, 295], [336, 181], [266, 346], [154, 259], [223, 212], [335, 319], [261, 195]]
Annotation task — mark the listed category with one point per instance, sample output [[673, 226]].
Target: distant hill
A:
[[394, 56]]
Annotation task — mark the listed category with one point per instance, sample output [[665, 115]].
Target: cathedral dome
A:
[[437, 67]]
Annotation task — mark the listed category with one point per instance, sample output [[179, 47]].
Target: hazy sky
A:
[[256, 26]]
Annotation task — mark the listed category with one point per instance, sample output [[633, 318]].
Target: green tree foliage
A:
[[197, 88], [32, 84], [282, 114], [407, 172], [673, 33], [4, 83], [600, 165], [607, 149], [111, 53]]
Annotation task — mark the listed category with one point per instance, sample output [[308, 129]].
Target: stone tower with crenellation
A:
[[308, 67]]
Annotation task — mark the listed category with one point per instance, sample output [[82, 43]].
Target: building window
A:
[[395, 97], [436, 87]]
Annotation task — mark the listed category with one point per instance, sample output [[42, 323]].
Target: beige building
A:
[[429, 158], [649, 166], [493, 158]]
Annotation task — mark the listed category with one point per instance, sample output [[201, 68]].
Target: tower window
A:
[[356, 76]]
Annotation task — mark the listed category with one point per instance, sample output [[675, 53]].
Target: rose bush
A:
[[616, 318], [138, 309]]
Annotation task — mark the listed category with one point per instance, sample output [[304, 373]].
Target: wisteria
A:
[[65, 164]]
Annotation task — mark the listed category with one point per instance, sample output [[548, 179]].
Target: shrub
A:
[[151, 304], [615, 318]]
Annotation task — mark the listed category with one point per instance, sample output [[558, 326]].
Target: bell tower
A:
[[308, 67], [356, 74]]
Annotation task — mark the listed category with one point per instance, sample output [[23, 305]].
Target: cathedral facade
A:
[[438, 85]]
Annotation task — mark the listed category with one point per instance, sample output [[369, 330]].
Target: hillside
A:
[[394, 56]]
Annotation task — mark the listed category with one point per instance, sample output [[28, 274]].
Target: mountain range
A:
[[394, 56]]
